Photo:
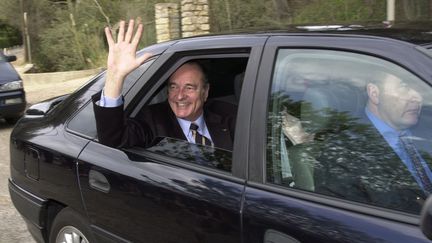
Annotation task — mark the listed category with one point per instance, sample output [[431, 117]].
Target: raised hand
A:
[[122, 58]]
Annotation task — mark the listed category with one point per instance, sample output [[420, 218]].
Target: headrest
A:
[[319, 101]]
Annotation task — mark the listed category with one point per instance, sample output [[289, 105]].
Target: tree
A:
[[68, 34], [9, 36]]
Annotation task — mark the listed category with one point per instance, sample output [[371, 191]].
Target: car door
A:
[[323, 173], [161, 193]]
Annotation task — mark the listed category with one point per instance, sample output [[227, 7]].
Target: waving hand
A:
[[122, 58]]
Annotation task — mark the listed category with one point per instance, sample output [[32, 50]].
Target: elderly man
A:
[[393, 108], [183, 116], [371, 158]]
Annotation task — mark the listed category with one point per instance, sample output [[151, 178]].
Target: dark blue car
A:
[[340, 183], [12, 95]]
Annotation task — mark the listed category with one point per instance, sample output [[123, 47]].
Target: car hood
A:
[[7, 73]]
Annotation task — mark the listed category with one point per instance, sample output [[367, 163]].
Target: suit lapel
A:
[[174, 126], [219, 131], [392, 169], [164, 122]]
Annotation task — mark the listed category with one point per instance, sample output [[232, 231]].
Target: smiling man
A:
[[182, 116], [187, 91]]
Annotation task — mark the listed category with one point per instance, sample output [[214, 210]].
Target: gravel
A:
[[12, 226]]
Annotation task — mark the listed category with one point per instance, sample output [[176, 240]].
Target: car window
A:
[[349, 126], [206, 156], [84, 122], [225, 77]]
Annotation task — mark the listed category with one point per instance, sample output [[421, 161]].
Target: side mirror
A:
[[42, 108], [11, 58], [426, 218]]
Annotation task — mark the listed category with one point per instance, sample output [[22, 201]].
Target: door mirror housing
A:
[[42, 108]]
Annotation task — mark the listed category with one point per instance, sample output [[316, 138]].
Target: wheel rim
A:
[[70, 234]]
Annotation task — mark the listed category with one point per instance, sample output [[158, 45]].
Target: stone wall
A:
[[167, 21], [195, 17]]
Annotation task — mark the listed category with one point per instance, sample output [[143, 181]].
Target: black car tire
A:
[[12, 120], [68, 223]]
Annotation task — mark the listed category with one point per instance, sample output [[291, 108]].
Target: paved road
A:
[[12, 226]]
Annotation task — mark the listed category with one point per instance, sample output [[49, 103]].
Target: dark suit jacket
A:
[[355, 162], [158, 120]]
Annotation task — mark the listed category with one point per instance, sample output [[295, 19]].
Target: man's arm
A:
[[113, 128]]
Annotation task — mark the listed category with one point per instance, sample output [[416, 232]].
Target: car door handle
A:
[[98, 181], [274, 236]]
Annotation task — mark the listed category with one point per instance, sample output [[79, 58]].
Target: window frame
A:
[[156, 82], [154, 79], [397, 52], [347, 73]]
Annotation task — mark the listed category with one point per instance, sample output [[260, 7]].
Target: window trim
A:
[[156, 81], [382, 48], [338, 203]]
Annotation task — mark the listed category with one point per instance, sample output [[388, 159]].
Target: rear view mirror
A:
[[11, 58], [426, 218]]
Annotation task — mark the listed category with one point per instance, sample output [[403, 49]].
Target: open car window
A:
[[225, 76]]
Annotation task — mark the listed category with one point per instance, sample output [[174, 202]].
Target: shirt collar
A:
[[185, 124], [388, 132]]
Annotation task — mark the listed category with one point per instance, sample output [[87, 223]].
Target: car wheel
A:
[[12, 120], [69, 227]]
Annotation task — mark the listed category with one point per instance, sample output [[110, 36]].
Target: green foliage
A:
[[342, 11], [9, 36], [73, 40], [68, 34]]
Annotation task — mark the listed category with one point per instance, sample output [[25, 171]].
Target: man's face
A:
[[398, 104], [187, 92]]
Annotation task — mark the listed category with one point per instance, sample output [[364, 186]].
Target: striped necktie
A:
[[198, 137], [416, 160]]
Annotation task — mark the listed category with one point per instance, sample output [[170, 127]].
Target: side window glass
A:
[[84, 121], [207, 156], [350, 126], [170, 108]]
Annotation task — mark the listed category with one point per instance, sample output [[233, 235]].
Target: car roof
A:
[[419, 33]]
